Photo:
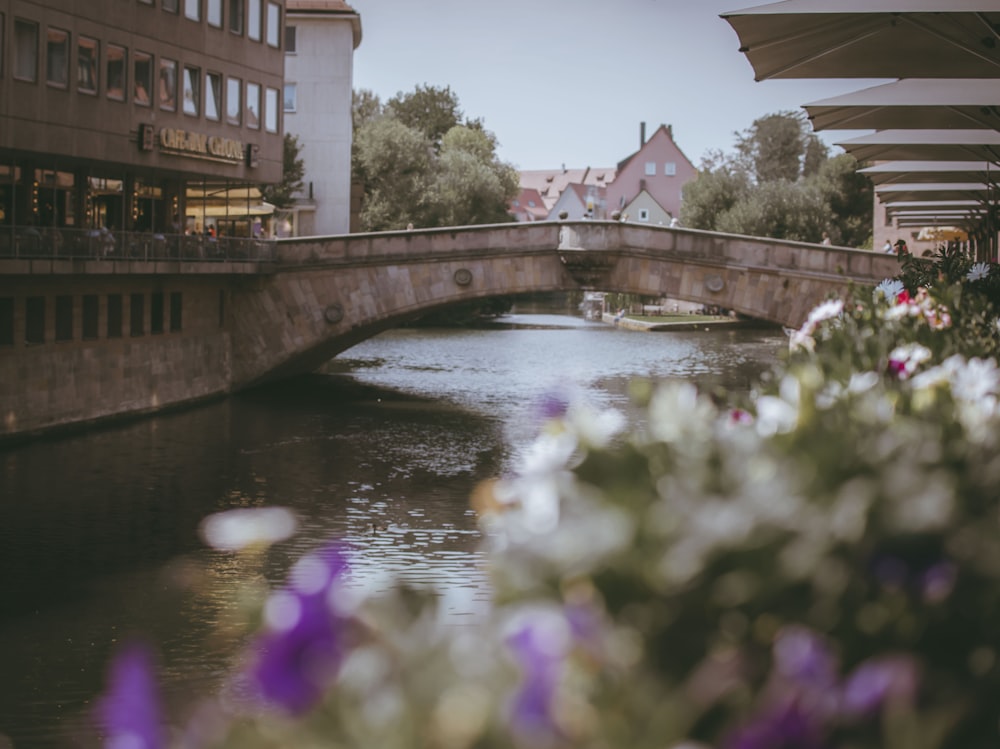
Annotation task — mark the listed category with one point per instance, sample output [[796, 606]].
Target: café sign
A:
[[201, 146]]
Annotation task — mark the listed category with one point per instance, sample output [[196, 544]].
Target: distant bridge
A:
[[323, 295], [87, 337]]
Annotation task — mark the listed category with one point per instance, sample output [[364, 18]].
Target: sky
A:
[[568, 82]]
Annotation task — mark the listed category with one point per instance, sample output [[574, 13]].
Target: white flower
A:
[[249, 526], [825, 311], [978, 272], [904, 360], [889, 289]]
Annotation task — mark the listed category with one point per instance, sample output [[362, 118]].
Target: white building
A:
[[320, 39]]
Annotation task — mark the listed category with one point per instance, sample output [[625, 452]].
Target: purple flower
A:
[[552, 406], [785, 726], [879, 680], [304, 643], [540, 646], [801, 656], [938, 581], [130, 711]]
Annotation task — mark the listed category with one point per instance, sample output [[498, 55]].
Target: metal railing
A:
[[102, 244]]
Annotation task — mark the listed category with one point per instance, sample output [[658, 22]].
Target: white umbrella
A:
[[870, 38], [925, 145], [892, 172], [913, 103]]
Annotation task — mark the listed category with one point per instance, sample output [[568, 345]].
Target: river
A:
[[99, 540]]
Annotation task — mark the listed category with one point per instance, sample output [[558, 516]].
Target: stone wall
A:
[[74, 377]]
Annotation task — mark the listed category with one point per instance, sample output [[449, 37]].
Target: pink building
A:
[[659, 167]]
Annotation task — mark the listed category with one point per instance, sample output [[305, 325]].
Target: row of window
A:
[[243, 15], [669, 169], [162, 317], [200, 94]]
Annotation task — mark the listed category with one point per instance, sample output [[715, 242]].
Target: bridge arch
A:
[[326, 294]]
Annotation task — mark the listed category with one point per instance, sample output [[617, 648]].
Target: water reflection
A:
[[382, 449]]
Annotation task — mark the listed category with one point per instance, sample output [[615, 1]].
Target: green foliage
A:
[[778, 209], [415, 172], [711, 196], [365, 107], [282, 194], [781, 183], [780, 146], [394, 164], [431, 110]]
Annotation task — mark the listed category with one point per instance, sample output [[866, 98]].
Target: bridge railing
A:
[[103, 244]]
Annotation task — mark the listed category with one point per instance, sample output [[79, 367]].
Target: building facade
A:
[[136, 117], [320, 39], [659, 168]]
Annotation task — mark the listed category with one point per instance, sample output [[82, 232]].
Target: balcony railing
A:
[[102, 244]]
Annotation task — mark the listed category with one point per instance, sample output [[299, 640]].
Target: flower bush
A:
[[814, 567]]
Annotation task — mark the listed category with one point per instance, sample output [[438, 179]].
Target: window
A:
[[176, 311], [213, 96], [253, 20], [273, 24], [57, 58], [142, 77], [290, 39], [6, 321], [253, 105], [64, 318], [114, 315], [170, 6], [137, 314], [146, 2], [86, 65], [234, 101], [290, 97], [271, 110], [115, 64], [192, 90], [670, 169], [89, 316], [192, 9], [156, 313], [168, 85], [236, 16], [34, 319], [644, 214], [25, 50], [214, 13], [650, 168]]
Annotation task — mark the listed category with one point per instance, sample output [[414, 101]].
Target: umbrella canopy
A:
[[893, 172], [926, 145], [870, 38], [925, 192], [912, 103]]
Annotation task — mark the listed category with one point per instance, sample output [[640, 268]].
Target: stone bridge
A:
[[325, 294]]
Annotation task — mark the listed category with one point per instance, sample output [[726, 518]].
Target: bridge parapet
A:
[[418, 244]]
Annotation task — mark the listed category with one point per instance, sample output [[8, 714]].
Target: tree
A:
[[365, 107], [282, 194], [470, 186], [430, 110], [393, 162], [777, 146], [780, 182], [711, 195], [413, 172], [850, 196]]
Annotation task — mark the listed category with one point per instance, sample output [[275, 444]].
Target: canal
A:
[[98, 539]]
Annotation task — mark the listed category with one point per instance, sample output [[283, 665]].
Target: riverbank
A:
[[701, 322]]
